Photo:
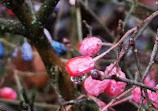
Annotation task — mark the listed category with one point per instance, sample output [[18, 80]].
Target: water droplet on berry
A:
[[78, 79]]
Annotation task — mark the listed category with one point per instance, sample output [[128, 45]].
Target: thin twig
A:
[[79, 24], [121, 101], [117, 98], [128, 81], [111, 37], [88, 27], [19, 86], [40, 105], [152, 57], [127, 34]]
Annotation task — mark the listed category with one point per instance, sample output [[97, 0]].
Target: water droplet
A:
[[77, 80]]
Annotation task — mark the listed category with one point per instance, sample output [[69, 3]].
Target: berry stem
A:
[[117, 98], [118, 43], [126, 35], [106, 44]]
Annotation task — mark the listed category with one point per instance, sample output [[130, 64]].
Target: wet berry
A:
[[90, 46], [95, 87], [79, 65]]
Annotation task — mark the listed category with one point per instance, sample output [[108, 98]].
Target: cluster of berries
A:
[[93, 86], [153, 96], [85, 64]]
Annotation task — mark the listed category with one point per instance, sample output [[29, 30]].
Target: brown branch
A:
[[34, 31], [45, 10]]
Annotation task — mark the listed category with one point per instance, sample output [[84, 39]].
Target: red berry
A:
[[8, 93], [79, 65], [115, 87], [95, 87], [11, 12], [90, 46]]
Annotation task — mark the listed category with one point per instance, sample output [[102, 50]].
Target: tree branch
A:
[[45, 10], [11, 26]]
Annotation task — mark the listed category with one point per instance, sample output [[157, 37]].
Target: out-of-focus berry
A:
[[58, 47], [2, 52], [11, 12], [48, 35], [8, 93], [90, 46], [15, 52], [150, 82], [26, 51], [79, 65], [72, 2]]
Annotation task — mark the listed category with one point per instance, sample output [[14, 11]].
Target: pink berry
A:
[[115, 87], [150, 82], [136, 95], [95, 87], [90, 46], [79, 65], [8, 93], [153, 74]]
